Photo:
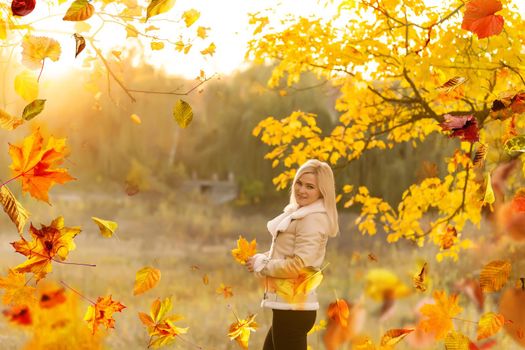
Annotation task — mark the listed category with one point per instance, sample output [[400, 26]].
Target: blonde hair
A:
[[326, 184]]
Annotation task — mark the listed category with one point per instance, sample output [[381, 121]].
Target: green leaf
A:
[[515, 144], [107, 228], [156, 7], [33, 109], [183, 113], [80, 10]]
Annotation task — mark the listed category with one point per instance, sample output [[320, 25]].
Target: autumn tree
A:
[[405, 70]]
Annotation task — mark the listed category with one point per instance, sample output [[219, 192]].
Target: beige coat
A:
[[291, 272]]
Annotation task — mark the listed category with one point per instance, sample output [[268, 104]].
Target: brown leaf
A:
[[80, 43], [16, 212]]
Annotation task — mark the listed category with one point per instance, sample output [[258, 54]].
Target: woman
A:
[[291, 267]]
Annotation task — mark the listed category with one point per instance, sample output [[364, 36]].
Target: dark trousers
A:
[[289, 328]]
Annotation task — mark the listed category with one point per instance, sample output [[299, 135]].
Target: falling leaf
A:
[[296, 290], [480, 155], [80, 44], [494, 275], [20, 314], [50, 295], [244, 250], [451, 84], [8, 122], [463, 127], [136, 119], [518, 201], [48, 243], [107, 228], [515, 144], [202, 32], [489, 196], [394, 336], [489, 324], [439, 315], [3, 29], [449, 238], [160, 327], [457, 341], [36, 49], [210, 50], [33, 109], [33, 164], [205, 279], [225, 290], [102, 313], [157, 7], [420, 279], [240, 330], [182, 113], [17, 291], [372, 257], [16, 212], [190, 17], [80, 10], [157, 45], [339, 312], [480, 18], [146, 279], [26, 85], [22, 7]]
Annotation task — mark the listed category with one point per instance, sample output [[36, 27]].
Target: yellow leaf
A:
[[160, 327], [131, 31], [202, 32], [225, 290], [182, 113], [8, 122], [240, 330], [456, 341], [190, 17], [16, 212], [244, 250], [362, 342], [439, 315], [394, 336], [3, 29], [37, 49], [157, 45], [157, 7], [107, 228], [210, 50], [146, 279], [26, 86], [205, 279], [79, 10], [17, 292], [82, 27], [135, 118], [489, 193], [489, 324], [420, 282], [494, 275]]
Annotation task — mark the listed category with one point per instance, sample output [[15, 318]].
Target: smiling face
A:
[[306, 190]]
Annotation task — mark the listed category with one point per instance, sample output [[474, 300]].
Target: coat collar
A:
[[292, 212]]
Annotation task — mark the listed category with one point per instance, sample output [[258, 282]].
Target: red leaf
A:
[[22, 7], [465, 127], [480, 19]]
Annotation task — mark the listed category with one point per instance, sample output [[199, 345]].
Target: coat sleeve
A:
[[310, 236]]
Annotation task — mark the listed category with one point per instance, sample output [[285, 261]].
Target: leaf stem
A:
[[72, 263], [78, 293]]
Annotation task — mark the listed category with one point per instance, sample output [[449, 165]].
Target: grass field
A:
[[190, 240]]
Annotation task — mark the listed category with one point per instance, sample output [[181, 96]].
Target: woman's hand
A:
[[249, 264]]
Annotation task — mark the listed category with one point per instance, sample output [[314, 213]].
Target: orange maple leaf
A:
[[440, 314], [225, 290], [48, 242], [339, 312], [33, 164], [102, 313], [17, 290], [244, 250], [480, 18], [161, 329]]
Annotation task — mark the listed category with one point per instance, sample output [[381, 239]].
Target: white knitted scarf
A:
[[293, 212]]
